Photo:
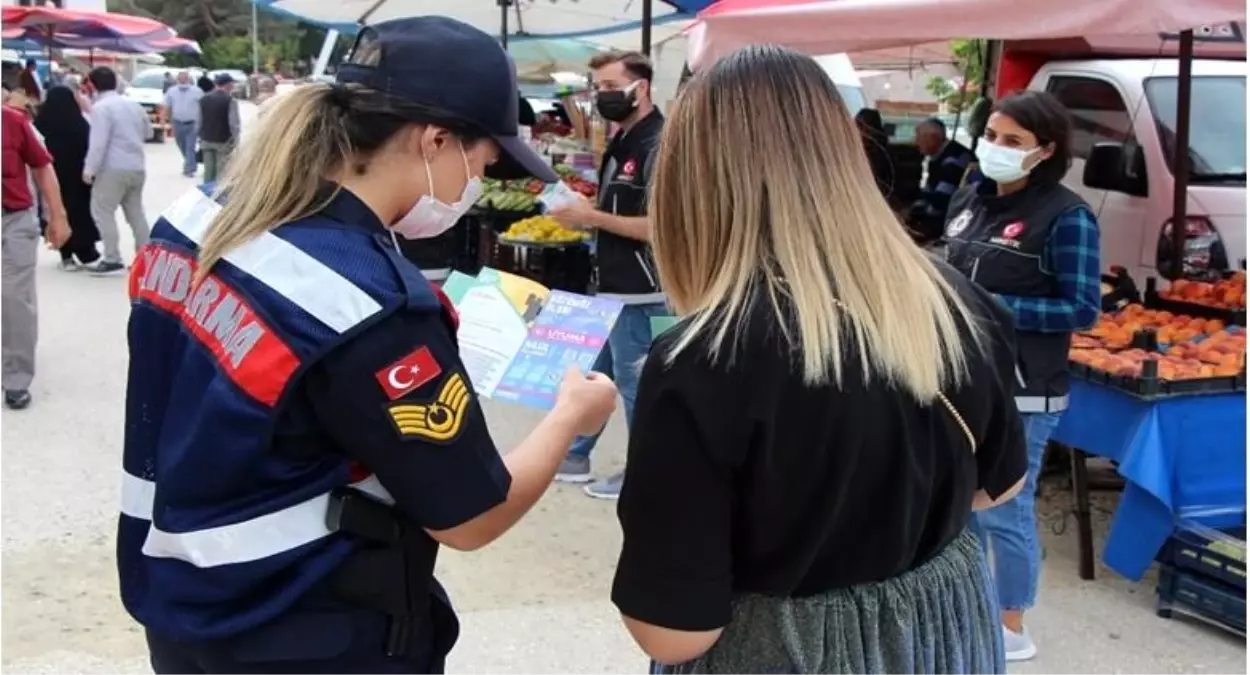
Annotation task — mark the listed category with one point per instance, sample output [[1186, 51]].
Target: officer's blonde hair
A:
[[283, 167], [277, 173], [762, 187]]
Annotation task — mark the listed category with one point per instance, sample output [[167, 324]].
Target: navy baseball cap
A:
[[454, 68]]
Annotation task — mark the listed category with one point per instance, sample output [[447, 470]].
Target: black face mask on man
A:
[[617, 106]]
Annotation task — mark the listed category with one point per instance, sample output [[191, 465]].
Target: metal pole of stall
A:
[[646, 27], [1180, 153], [503, 23], [255, 41]]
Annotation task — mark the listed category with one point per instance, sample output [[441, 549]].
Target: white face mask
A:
[[1002, 164], [430, 217]]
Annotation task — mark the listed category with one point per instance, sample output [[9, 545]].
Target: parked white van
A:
[[1124, 112]]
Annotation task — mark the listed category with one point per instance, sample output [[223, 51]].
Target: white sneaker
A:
[[69, 266], [1019, 646]]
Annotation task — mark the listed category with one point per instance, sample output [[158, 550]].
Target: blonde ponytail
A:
[[276, 174]]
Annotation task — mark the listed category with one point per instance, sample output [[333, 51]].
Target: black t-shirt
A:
[[744, 479]]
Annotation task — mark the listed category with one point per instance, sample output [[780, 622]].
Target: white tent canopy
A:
[[599, 21]]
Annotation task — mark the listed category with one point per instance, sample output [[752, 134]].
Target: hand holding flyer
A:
[[517, 337]]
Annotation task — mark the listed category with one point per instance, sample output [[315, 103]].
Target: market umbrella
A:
[[538, 60], [587, 20], [82, 23], [123, 45]]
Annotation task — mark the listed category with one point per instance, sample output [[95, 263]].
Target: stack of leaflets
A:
[[517, 337]]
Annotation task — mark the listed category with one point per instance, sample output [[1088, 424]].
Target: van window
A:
[[1098, 112], [1217, 126]]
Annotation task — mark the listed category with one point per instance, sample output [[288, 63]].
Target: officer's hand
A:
[[587, 400]]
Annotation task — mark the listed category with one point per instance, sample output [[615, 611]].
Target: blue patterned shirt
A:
[[1072, 255]]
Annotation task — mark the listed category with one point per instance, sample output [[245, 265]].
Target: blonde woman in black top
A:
[[811, 440]]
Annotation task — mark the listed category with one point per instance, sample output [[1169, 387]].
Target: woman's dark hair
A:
[[103, 79], [278, 173], [59, 112], [1046, 118]]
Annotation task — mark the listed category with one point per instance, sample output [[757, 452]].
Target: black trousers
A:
[[331, 642]]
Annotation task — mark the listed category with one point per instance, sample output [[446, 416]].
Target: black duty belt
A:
[[393, 573]]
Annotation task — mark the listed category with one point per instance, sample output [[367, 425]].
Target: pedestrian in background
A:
[[219, 126], [23, 157], [182, 104], [66, 134], [116, 167], [29, 82]]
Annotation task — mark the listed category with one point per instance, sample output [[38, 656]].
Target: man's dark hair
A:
[[30, 63], [1046, 118], [934, 122], [638, 66], [103, 79]]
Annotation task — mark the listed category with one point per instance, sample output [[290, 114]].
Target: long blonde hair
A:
[[762, 187], [276, 174]]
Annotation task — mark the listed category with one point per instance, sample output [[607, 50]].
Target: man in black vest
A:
[[1034, 243], [622, 82], [219, 126]]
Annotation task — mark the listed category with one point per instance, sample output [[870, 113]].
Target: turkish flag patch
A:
[[409, 373]]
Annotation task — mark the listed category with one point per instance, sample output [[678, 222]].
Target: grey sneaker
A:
[[574, 469], [1019, 646], [608, 488], [69, 266], [105, 268]]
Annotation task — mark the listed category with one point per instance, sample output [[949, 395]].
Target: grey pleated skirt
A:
[[941, 617]]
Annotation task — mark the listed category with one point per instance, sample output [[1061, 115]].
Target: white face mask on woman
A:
[[1002, 164], [430, 217]]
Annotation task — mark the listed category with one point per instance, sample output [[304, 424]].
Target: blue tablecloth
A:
[[1175, 455]]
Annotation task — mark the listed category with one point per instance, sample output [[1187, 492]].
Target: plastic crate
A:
[[1155, 301], [1208, 552], [1149, 387], [1207, 599]]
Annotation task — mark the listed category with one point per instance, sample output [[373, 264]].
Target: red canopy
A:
[[82, 23], [825, 26]]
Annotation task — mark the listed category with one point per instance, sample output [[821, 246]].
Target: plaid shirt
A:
[[1071, 254]]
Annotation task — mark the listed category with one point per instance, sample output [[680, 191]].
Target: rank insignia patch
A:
[[439, 421]]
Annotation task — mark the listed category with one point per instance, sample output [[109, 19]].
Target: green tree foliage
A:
[[223, 29], [970, 60]]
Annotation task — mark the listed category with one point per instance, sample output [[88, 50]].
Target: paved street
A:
[[535, 602]]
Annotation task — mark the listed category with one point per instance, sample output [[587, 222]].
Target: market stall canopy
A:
[[80, 23], [824, 26], [538, 60], [528, 19], [121, 45]]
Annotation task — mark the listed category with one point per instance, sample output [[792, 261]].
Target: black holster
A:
[[392, 573]]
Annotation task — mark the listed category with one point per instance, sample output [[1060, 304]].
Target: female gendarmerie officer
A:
[[1023, 236], [300, 433]]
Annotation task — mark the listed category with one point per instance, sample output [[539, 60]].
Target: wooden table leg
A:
[[1085, 534]]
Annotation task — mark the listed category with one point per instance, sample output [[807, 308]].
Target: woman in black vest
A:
[[1023, 236]]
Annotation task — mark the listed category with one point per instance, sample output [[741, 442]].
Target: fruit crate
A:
[[1188, 593], [1150, 387], [1155, 301], [1208, 552]]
